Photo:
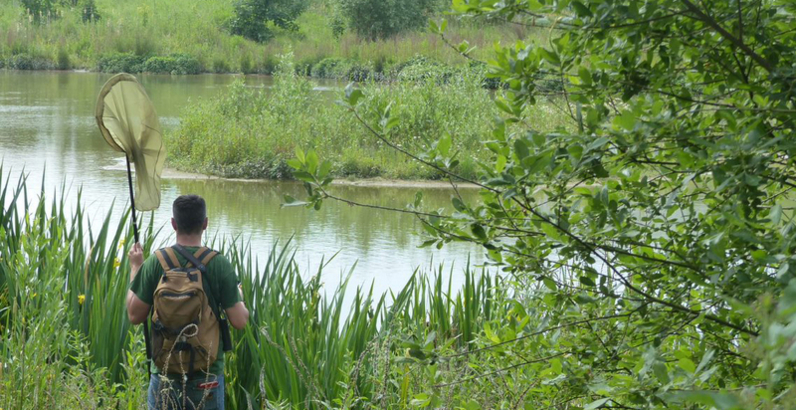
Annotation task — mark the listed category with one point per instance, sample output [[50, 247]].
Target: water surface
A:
[[47, 123]]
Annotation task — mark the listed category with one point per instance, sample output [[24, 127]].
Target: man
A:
[[189, 221]]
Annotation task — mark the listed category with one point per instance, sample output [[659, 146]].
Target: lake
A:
[[47, 129]]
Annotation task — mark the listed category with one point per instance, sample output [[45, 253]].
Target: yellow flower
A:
[[81, 299], [116, 263], [121, 243]]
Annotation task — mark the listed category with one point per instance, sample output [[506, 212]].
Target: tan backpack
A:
[[185, 329]]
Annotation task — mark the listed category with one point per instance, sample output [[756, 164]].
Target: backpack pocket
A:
[[178, 309]]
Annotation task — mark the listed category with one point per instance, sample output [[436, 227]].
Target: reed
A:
[[65, 341]]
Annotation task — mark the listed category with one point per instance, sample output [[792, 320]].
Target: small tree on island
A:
[[652, 238]]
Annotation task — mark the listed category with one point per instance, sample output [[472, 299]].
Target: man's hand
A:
[[136, 256]]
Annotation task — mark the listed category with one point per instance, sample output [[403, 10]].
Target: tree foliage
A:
[[47, 10], [255, 19], [380, 19], [653, 236]]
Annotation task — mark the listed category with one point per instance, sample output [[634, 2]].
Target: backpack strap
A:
[[193, 260], [200, 259], [203, 255], [168, 259]]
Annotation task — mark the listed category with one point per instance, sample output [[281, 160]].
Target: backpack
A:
[[185, 324]]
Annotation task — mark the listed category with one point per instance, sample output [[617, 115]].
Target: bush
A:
[[245, 63], [326, 67], [29, 62], [121, 63], [89, 11], [380, 19], [40, 9], [254, 18], [342, 69], [422, 69], [63, 59], [174, 64], [220, 65]]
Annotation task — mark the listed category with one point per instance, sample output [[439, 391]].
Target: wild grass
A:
[[65, 341], [250, 133], [161, 28]]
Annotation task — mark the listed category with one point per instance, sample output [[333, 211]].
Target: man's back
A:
[[221, 280], [189, 222]]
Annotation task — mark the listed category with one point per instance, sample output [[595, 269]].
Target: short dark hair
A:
[[189, 212]]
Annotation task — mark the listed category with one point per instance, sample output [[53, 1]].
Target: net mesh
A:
[[129, 123]]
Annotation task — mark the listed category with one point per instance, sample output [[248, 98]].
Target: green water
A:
[[47, 128]]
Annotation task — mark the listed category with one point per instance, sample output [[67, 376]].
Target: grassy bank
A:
[[65, 341], [185, 36], [251, 133]]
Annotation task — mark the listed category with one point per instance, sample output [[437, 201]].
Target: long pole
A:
[[135, 232], [132, 198]]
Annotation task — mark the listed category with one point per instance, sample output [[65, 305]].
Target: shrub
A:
[[326, 67], [422, 69], [220, 65], [245, 63], [120, 63], [63, 59], [253, 18], [89, 11], [379, 19], [29, 62], [40, 9], [343, 69], [269, 64], [174, 64]]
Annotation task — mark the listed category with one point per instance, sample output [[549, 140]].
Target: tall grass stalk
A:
[[65, 341]]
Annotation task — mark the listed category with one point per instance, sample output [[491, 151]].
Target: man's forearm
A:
[[134, 271]]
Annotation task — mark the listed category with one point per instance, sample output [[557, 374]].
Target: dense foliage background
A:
[[653, 236]]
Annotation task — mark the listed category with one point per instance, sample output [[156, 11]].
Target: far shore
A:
[[171, 173]]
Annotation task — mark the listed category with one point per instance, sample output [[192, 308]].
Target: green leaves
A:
[[315, 174]]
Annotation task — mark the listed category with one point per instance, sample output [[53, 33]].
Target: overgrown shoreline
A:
[[249, 133], [178, 37]]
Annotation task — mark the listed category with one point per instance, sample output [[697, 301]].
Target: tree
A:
[[41, 9], [374, 19], [48, 10], [254, 19], [656, 229]]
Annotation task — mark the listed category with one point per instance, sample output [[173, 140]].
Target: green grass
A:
[[162, 28], [65, 341], [250, 133]]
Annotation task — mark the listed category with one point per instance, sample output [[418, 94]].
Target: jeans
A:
[[199, 393]]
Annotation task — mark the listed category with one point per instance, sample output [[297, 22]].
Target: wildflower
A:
[[81, 299], [116, 263], [121, 243]]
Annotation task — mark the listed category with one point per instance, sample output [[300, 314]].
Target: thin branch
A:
[[537, 333], [539, 360], [724, 33]]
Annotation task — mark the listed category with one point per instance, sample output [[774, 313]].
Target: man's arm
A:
[[238, 315], [137, 310]]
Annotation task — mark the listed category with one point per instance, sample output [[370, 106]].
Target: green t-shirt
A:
[[220, 277]]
